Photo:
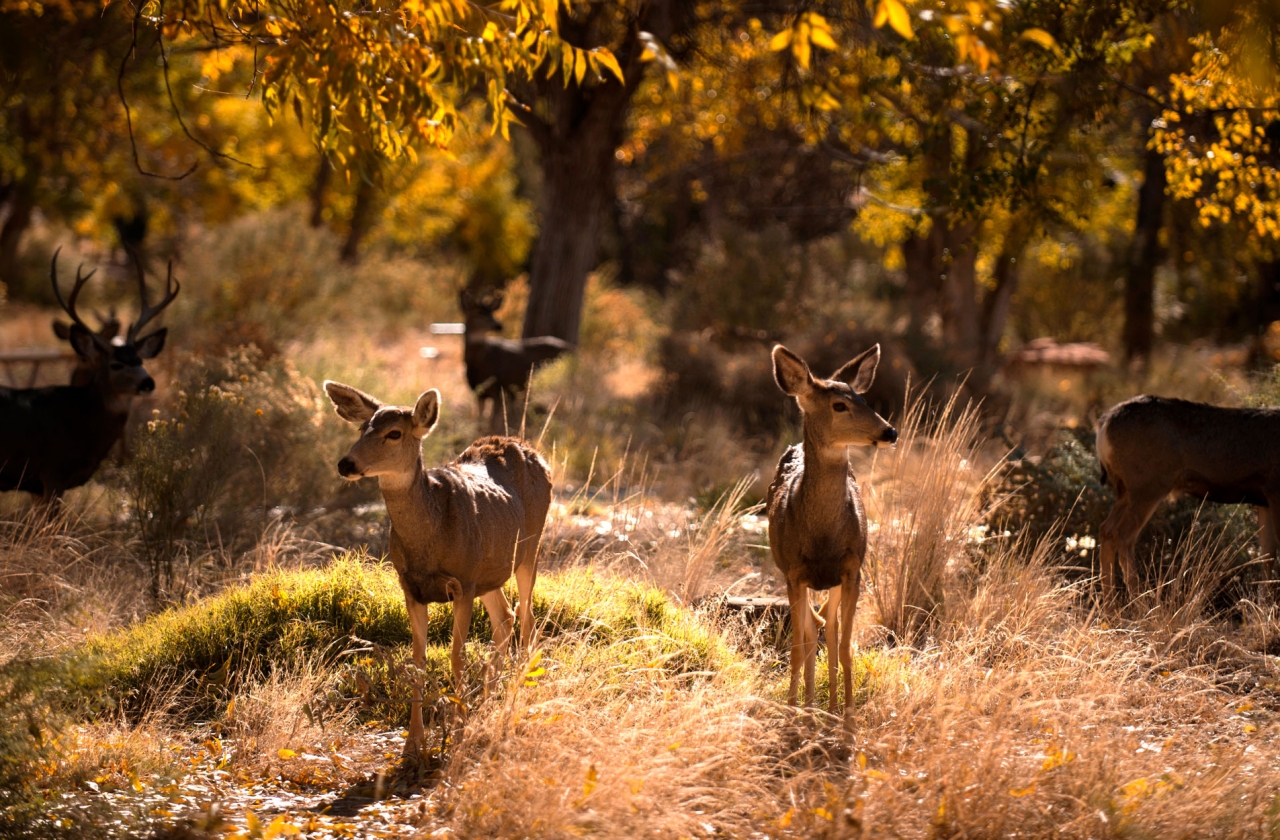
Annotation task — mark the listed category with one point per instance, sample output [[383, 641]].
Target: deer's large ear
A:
[[859, 373], [62, 329], [425, 413], [86, 344], [791, 372], [354, 406], [150, 346]]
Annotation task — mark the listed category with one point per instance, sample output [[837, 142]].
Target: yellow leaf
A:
[[252, 822], [877, 774], [593, 776], [490, 31], [579, 65], [1039, 36], [780, 41], [1057, 758], [897, 15], [822, 38], [862, 760], [606, 58], [286, 754], [1026, 791], [882, 15], [785, 820], [1249, 729]]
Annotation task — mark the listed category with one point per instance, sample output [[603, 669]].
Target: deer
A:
[[53, 439], [1149, 447], [458, 531], [817, 524], [499, 368]]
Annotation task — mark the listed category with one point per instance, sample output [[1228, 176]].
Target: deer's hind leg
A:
[[526, 577], [502, 619]]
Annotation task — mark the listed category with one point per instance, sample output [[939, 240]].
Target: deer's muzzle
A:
[[347, 468]]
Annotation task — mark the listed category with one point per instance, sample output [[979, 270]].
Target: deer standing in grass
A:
[[1149, 447], [458, 532], [817, 526], [53, 439], [499, 368]]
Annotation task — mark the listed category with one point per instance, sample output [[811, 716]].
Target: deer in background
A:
[[458, 532], [53, 439], [1149, 447], [817, 526], [499, 368]]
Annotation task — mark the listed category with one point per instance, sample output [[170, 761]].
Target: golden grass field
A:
[[263, 694]]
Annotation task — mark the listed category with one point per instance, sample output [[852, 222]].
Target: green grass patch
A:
[[282, 619]]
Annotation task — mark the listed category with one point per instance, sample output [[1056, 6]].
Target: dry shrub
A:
[[247, 440], [923, 503]]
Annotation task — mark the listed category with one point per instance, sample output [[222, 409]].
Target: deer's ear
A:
[[85, 344], [425, 413], [62, 329], [150, 346], [353, 405], [791, 372], [860, 372]]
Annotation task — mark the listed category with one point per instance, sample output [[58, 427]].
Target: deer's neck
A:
[[406, 495], [825, 481]]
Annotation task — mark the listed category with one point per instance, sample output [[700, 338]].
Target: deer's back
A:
[[53, 439], [814, 530], [506, 361], [1224, 454]]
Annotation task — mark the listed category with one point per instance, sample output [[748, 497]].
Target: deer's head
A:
[[391, 436], [105, 360], [835, 414], [478, 312]]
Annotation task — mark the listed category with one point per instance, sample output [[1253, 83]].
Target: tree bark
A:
[[362, 218], [21, 203], [1144, 255], [577, 147], [320, 190]]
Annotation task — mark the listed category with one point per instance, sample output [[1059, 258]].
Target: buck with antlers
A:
[[458, 532], [499, 368], [53, 439], [817, 526], [1149, 447]]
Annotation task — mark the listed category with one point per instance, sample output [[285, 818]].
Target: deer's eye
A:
[[394, 434], [839, 407]]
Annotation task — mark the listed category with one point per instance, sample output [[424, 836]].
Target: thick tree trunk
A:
[[320, 190], [995, 307], [362, 218], [20, 206], [1144, 255], [577, 148]]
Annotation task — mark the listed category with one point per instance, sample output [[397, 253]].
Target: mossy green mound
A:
[[282, 619]]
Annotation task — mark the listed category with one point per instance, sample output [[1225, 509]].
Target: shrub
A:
[[1063, 491], [247, 439]]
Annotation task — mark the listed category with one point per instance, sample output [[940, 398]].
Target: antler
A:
[[148, 312], [69, 304]]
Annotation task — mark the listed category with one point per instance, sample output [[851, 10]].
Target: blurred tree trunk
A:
[[362, 219], [21, 202], [320, 190], [577, 143], [1144, 255]]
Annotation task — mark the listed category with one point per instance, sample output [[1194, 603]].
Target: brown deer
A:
[[817, 526], [53, 439], [458, 532], [499, 368], [1149, 447]]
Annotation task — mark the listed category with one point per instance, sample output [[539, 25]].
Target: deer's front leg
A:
[[830, 613], [418, 617]]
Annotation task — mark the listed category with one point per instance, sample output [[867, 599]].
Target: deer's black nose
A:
[[347, 468], [146, 386], [890, 435]]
